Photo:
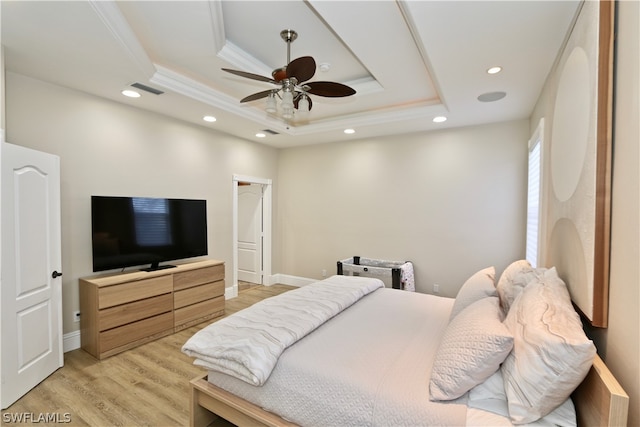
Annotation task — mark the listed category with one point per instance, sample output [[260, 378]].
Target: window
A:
[[533, 195], [152, 222]]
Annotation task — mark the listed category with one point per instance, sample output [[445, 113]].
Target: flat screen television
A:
[[134, 231]]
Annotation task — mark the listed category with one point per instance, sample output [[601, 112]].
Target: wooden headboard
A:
[[600, 400]]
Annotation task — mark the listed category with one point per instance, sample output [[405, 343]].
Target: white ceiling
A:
[[409, 61]]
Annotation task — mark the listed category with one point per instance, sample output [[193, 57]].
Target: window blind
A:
[[533, 204], [152, 222]]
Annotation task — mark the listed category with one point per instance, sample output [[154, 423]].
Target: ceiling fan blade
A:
[[302, 68], [255, 96], [330, 89], [250, 75]]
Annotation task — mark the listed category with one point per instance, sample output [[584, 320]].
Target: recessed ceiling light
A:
[[494, 70], [261, 135], [210, 119], [491, 96], [439, 119], [131, 93], [349, 131]]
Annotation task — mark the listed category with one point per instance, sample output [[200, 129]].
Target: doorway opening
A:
[[252, 205]]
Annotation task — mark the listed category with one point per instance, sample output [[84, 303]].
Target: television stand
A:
[[124, 310]]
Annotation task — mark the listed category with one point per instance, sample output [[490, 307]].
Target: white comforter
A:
[[368, 366], [248, 344]]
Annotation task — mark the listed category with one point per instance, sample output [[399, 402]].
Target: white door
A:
[[31, 264], [250, 233]]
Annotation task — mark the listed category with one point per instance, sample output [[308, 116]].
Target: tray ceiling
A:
[[409, 61]]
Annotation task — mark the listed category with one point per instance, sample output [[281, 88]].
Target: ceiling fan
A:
[[290, 80]]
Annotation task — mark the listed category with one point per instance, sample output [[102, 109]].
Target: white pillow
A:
[[490, 396], [472, 348], [512, 280], [479, 285], [551, 353]]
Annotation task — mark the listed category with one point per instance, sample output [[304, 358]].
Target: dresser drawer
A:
[[135, 331], [197, 311], [126, 313], [187, 279], [132, 291], [198, 293]]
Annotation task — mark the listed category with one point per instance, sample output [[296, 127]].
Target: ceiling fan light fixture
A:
[[272, 106], [303, 104], [287, 104]]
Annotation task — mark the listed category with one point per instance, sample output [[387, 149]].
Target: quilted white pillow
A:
[[551, 353], [512, 280], [479, 285], [474, 345]]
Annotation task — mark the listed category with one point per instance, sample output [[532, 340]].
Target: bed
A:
[[378, 356]]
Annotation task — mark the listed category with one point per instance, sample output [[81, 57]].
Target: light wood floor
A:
[[145, 386]]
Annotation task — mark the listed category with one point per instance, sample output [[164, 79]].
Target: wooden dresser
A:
[[122, 311]]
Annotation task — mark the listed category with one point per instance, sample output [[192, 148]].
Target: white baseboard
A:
[[286, 279], [71, 341], [231, 292]]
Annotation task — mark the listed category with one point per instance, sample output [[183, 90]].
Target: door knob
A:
[[55, 274]]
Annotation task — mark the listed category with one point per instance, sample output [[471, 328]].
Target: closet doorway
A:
[[251, 230]]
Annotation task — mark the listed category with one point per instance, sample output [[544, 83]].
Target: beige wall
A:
[[622, 353], [618, 344], [107, 148], [451, 202]]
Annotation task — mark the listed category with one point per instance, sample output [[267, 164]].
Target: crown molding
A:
[[193, 89], [217, 24], [239, 58], [111, 16]]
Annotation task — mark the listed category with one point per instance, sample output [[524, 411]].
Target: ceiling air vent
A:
[[147, 88], [272, 132]]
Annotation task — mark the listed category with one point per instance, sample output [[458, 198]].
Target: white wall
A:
[[107, 148], [452, 202]]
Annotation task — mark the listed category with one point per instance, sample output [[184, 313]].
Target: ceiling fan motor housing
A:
[[279, 74]]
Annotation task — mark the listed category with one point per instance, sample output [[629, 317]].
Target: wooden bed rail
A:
[[209, 401]]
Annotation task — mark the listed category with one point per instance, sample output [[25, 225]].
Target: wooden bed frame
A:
[[599, 400]]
